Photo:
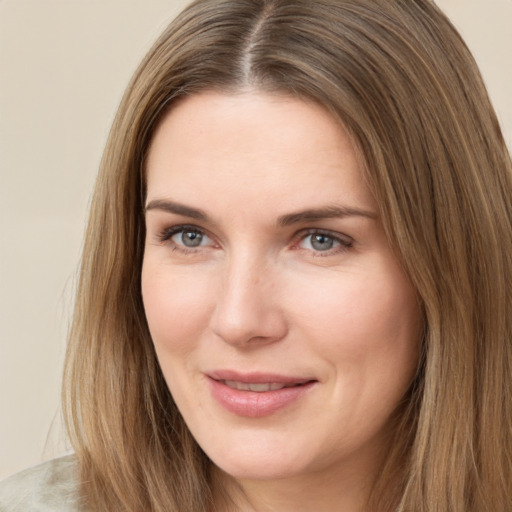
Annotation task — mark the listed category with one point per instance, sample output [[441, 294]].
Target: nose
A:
[[248, 312]]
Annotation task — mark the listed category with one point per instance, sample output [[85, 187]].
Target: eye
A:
[[320, 241], [185, 238], [189, 238]]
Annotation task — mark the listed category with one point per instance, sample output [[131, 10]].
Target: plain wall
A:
[[63, 67]]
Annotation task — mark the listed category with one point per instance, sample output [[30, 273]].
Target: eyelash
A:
[[166, 235], [344, 241]]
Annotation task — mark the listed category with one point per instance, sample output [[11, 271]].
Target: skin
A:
[[321, 297]]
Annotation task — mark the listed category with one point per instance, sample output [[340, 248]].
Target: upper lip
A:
[[257, 377]]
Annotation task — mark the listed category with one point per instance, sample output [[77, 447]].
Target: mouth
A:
[[256, 395], [259, 387]]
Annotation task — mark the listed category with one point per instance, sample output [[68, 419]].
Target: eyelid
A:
[[345, 241], [164, 236]]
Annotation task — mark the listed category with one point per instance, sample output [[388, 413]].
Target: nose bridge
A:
[[247, 308]]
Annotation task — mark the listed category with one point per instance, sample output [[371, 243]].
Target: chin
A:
[[262, 461], [263, 468]]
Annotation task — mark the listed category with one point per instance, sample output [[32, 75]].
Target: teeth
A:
[[258, 388]]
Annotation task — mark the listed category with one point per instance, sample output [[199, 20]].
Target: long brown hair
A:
[[400, 79]]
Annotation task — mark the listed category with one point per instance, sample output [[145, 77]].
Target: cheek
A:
[[355, 302], [367, 324], [177, 306], [385, 315]]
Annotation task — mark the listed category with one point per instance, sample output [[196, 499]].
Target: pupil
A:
[[191, 239], [322, 242]]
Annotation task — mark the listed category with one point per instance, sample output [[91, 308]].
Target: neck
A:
[[325, 491]]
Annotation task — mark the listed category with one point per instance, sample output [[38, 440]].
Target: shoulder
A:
[[48, 487]]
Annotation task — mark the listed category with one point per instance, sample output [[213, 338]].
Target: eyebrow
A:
[[309, 215], [328, 212], [177, 208]]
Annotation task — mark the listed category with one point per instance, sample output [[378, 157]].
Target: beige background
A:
[[63, 67]]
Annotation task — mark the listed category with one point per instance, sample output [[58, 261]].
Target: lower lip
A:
[[252, 404]]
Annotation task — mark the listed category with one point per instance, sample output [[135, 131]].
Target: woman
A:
[[293, 292]]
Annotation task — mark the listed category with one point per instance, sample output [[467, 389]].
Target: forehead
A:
[[254, 145]]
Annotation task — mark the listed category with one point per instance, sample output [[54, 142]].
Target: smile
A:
[[257, 387], [257, 395]]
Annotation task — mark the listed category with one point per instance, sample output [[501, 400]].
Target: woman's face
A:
[[285, 328]]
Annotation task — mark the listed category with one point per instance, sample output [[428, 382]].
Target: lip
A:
[[256, 404]]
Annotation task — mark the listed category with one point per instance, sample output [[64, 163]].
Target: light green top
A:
[[48, 487]]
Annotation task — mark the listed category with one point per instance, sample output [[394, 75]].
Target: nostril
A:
[[242, 316]]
